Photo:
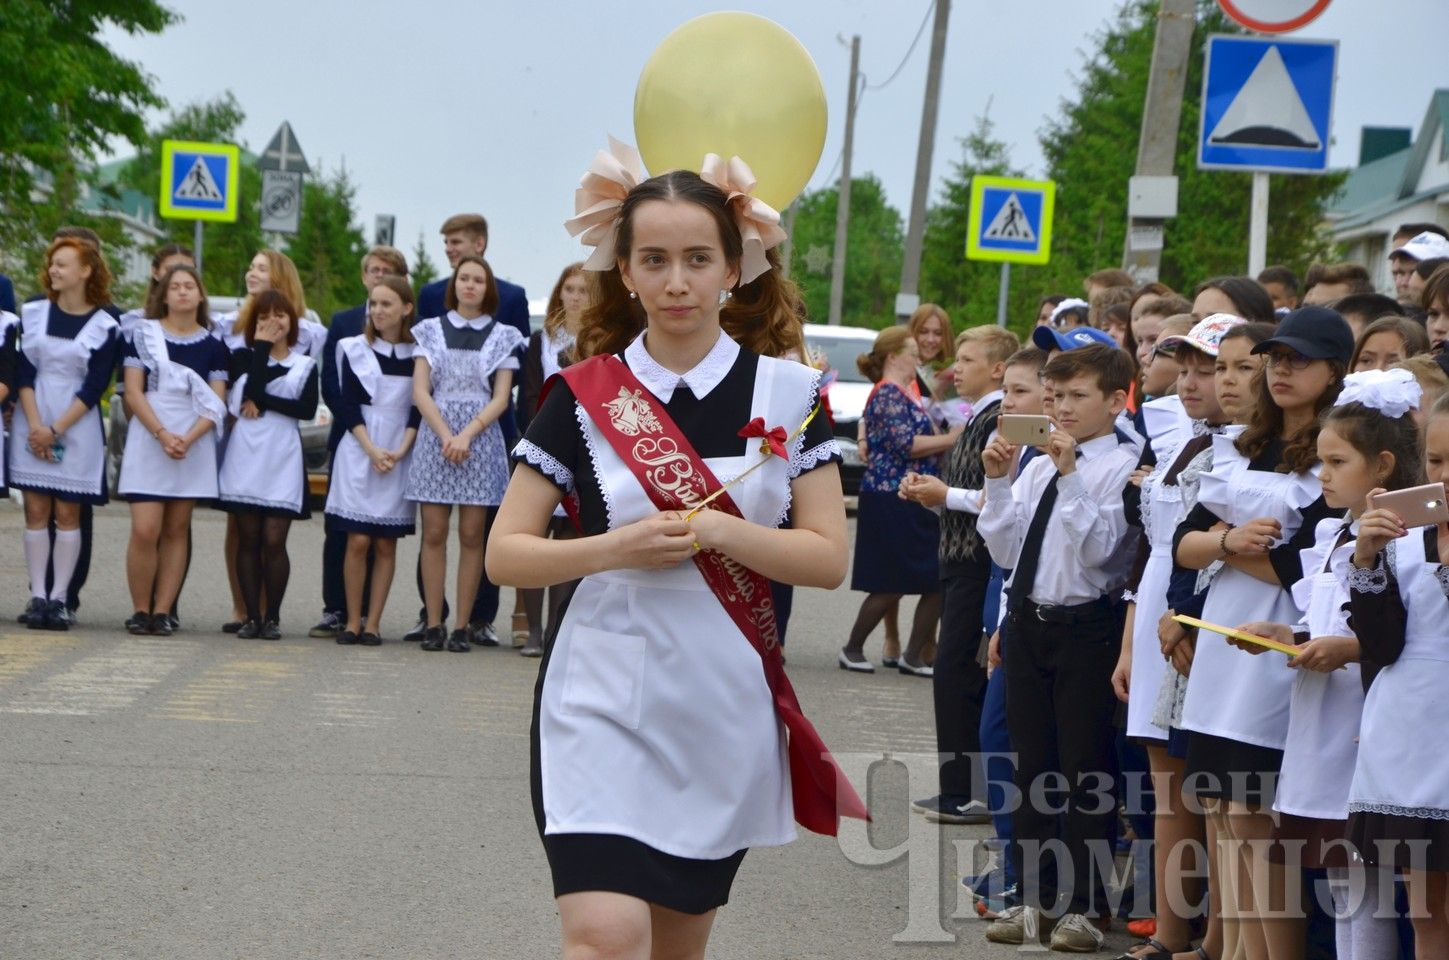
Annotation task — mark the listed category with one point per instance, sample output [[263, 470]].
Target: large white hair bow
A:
[[759, 222], [1391, 392], [601, 193]]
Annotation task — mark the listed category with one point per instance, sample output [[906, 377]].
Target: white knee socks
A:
[[37, 555], [66, 553]]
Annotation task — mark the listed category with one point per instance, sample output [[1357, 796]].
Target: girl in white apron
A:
[[658, 760], [549, 351], [1257, 510], [176, 375], [1194, 418], [263, 480], [9, 330], [1398, 803], [1368, 441], [57, 443], [462, 378], [268, 270], [366, 499]]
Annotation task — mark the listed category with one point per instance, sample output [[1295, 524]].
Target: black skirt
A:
[[1225, 769], [896, 544], [1395, 839]]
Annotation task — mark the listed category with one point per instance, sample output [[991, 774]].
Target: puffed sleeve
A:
[[350, 399], [1286, 558], [1377, 615], [552, 442], [99, 370], [218, 366]]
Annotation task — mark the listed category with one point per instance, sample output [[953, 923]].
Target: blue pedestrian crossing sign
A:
[[199, 180], [1267, 104], [1010, 220]]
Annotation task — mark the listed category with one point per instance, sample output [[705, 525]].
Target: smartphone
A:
[[1024, 429], [57, 450], [1417, 506]]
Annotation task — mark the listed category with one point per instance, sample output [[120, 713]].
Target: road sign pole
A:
[[196, 245], [1258, 225], [1001, 293], [842, 196]]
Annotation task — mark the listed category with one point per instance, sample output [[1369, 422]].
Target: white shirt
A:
[[959, 498], [700, 379], [1085, 551]]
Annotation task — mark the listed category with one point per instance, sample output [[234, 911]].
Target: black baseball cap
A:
[[1316, 332]]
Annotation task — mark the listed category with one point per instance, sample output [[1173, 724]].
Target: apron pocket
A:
[[605, 675]]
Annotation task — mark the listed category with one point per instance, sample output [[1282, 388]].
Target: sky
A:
[[438, 107]]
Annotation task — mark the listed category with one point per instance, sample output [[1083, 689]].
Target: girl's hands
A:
[[1262, 628], [1122, 676], [250, 410], [40, 440], [1375, 529], [174, 446], [455, 449], [382, 460], [1254, 537], [927, 491], [993, 653], [660, 542], [1326, 654]]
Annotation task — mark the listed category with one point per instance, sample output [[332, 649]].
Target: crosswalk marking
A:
[[107, 680], [242, 688]]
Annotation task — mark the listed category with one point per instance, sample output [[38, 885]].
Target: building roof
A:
[[1390, 183]]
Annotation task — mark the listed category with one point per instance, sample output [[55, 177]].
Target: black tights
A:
[[261, 559], [923, 629]]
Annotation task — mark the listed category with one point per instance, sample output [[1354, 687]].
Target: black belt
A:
[[1092, 611]]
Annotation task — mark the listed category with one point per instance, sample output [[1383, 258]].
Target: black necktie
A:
[[1030, 554]]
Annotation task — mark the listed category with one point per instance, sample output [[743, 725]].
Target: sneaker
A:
[[956, 810], [483, 634], [990, 906], [1075, 933], [327, 628], [419, 630], [1017, 925]]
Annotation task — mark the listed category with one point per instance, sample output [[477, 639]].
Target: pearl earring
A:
[[633, 295], [724, 295]]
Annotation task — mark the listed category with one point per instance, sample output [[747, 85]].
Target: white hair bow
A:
[[1391, 392]]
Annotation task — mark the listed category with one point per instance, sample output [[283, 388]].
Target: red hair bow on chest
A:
[[774, 438]]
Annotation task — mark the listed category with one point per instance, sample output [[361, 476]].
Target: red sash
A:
[[676, 478]]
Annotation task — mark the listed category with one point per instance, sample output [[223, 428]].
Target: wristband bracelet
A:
[[1223, 544]]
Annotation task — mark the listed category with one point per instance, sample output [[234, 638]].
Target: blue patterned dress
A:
[[895, 540]]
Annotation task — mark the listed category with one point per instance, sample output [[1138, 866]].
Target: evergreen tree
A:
[[874, 248], [328, 247], [423, 270]]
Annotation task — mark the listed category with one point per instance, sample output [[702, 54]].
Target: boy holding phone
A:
[[1063, 530], [959, 680]]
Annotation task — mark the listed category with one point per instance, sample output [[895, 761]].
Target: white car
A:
[[840, 346]]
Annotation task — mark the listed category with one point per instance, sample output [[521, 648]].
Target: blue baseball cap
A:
[[1048, 339]]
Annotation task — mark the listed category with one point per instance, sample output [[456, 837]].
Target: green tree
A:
[[966, 288], [328, 247], [873, 252], [64, 96], [1091, 152], [422, 270]]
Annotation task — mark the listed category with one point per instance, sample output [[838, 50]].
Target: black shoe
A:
[[458, 642], [161, 625], [347, 638], [138, 624], [233, 626], [271, 630], [483, 634], [370, 640], [328, 627], [173, 621], [35, 608], [66, 615], [248, 631], [57, 617], [419, 630], [434, 638]]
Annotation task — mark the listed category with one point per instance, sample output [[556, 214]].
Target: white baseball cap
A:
[[1425, 246]]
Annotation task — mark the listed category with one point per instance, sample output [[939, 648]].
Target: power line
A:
[[920, 31]]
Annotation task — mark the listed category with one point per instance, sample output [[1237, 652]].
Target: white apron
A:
[[655, 720], [179, 398], [1231, 693], [263, 464], [1323, 720], [60, 369], [1401, 769], [357, 491], [1162, 511], [7, 320]]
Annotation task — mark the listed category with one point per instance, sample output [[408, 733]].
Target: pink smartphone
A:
[[1417, 506]]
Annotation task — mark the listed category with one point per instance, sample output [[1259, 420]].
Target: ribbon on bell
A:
[[773, 439]]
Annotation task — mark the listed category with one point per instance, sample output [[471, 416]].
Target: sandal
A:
[[1159, 952]]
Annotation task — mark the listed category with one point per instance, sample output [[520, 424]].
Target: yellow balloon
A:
[[733, 84]]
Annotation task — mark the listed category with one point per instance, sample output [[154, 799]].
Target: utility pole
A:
[[1152, 193], [915, 232], [842, 202], [787, 221]]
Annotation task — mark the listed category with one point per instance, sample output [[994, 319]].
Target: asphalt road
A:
[[201, 796]]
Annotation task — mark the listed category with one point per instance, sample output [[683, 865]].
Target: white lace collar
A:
[[700, 379], [477, 323]]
